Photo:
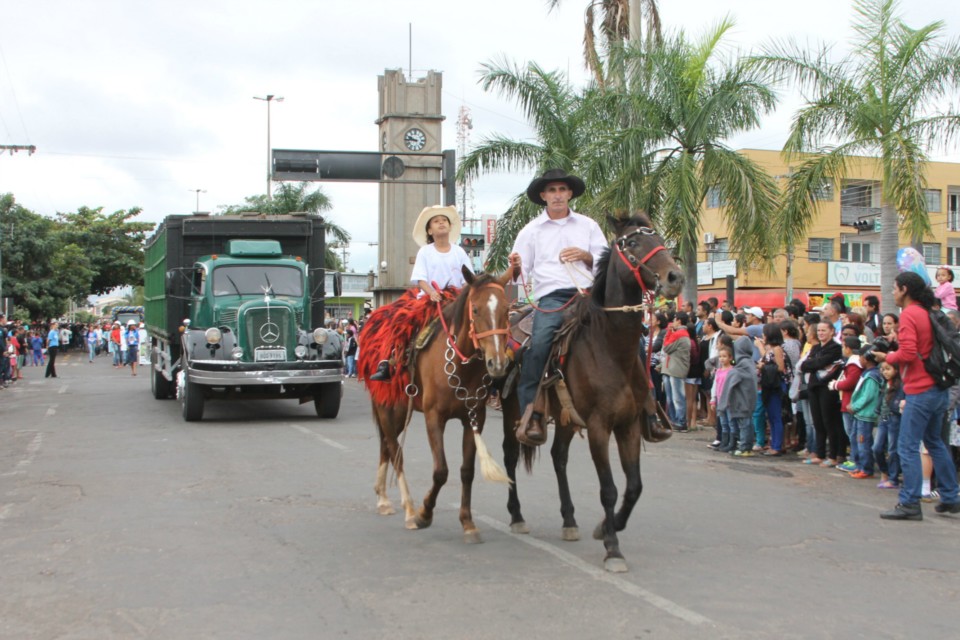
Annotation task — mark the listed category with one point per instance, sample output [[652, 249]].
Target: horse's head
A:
[[641, 249], [489, 319]]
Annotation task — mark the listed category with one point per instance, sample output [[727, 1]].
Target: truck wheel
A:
[[160, 386], [192, 401], [327, 400]]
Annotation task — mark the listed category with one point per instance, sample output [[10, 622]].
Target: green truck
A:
[[234, 309]]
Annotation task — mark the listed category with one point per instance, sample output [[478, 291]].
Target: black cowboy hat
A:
[[554, 175]]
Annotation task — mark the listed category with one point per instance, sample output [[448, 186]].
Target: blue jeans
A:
[[811, 430], [774, 413], [885, 444], [760, 420], [351, 365], [678, 401], [726, 424], [851, 435], [922, 420], [863, 436], [535, 358], [92, 347], [117, 355], [745, 427]]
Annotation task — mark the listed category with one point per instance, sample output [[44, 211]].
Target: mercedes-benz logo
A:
[[269, 332]]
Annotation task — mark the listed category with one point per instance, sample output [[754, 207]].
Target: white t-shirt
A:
[[443, 268]]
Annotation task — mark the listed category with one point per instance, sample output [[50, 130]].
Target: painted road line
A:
[[598, 573], [325, 440]]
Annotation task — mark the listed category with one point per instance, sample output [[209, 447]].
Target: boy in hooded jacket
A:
[[739, 395], [865, 409]]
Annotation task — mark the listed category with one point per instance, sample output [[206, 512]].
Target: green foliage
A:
[[47, 263], [293, 198]]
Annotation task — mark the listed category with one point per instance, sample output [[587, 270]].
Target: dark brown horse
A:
[[450, 380], [607, 381]]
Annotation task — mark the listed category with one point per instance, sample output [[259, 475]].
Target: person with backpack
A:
[[925, 405], [775, 372]]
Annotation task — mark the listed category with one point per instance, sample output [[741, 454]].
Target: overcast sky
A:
[[139, 104]]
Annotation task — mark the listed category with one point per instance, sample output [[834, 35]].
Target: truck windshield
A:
[[249, 279]]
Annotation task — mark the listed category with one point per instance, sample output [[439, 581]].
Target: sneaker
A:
[[745, 454], [944, 507], [849, 466], [930, 497], [861, 475], [714, 445], [903, 512]]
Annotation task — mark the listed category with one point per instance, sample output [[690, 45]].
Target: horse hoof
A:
[[570, 534], [472, 537], [519, 527], [419, 523], [386, 509], [598, 531], [615, 565]]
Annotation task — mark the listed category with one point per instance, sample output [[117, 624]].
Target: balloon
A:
[[909, 259]]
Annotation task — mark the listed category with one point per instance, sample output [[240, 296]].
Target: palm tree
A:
[[564, 131], [291, 198], [678, 105], [877, 101], [619, 22]]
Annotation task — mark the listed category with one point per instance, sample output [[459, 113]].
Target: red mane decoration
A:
[[386, 335]]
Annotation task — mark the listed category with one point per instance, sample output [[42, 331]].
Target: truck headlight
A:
[[213, 335], [319, 336]]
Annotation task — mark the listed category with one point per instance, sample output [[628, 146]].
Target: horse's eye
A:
[[632, 244]]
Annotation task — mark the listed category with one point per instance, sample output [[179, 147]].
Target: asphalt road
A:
[[119, 520]]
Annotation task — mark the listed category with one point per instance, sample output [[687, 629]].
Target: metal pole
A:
[[268, 99]]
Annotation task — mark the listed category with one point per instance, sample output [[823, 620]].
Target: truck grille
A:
[[227, 316], [267, 330]]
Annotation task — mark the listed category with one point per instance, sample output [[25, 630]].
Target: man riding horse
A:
[[556, 253]]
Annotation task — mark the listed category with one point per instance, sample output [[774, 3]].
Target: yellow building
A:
[[842, 250]]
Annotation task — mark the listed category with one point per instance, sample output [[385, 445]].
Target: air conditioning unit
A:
[[709, 238]]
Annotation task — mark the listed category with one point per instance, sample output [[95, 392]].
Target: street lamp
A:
[[268, 99], [198, 192]]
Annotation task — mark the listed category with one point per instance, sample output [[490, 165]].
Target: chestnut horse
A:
[[450, 379], [607, 381]]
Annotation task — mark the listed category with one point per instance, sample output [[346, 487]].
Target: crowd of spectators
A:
[[794, 381]]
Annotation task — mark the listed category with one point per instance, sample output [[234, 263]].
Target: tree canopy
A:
[[47, 263]]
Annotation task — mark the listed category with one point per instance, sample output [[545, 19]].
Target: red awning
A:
[[768, 299]]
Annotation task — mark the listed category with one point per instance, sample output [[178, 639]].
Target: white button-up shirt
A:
[[539, 244]]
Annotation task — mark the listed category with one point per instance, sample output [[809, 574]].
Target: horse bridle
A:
[[635, 264], [472, 333]]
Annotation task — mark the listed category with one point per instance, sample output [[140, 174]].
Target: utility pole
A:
[[198, 192], [268, 99], [12, 148]]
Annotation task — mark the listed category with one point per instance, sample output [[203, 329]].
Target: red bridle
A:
[[472, 334]]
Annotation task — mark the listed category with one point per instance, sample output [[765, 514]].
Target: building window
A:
[[931, 253], [719, 251], [714, 198], [857, 194], [933, 200], [820, 249], [824, 192], [855, 252], [953, 255], [953, 211]]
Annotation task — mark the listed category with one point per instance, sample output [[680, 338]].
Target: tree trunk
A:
[[690, 273], [889, 243]]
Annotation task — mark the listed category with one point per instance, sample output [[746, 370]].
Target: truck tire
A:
[[192, 401], [161, 388], [327, 399]]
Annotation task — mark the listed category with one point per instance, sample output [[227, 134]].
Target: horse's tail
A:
[[490, 468], [528, 453]]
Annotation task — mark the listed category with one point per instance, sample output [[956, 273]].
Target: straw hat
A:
[[428, 214]]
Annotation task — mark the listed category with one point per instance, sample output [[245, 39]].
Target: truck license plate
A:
[[271, 355]]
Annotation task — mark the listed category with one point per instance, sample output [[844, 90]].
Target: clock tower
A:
[[409, 126]]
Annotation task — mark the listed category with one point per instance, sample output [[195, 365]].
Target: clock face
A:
[[415, 139]]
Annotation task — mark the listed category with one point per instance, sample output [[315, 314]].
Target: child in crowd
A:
[[865, 408], [888, 429], [738, 397], [728, 438], [944, 291], [36, 347], [845, 384]]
